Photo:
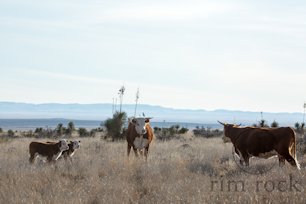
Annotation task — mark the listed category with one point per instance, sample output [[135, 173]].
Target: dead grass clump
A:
[[202, 168]]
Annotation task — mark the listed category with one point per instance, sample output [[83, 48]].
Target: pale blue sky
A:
[[237, 55]]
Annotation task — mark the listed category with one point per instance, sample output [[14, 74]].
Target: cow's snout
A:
[[65, 147]]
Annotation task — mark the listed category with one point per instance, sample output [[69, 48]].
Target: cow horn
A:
[[221, 123]]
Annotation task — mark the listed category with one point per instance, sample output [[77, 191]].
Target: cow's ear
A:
[[132, 120]]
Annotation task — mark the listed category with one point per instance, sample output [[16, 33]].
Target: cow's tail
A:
[[293, 152]]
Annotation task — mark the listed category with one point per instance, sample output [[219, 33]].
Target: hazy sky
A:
[[237, 55]]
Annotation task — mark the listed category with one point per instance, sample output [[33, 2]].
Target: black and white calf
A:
[[73, 145]]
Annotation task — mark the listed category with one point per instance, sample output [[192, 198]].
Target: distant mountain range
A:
[[11, 110]]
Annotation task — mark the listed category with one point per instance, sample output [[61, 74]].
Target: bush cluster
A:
[[169, 133], [115, 126], [207, 132]]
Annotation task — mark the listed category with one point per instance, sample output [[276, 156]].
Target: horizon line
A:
[[153, 105]]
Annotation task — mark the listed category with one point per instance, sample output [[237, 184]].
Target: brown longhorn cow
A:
[[263, 142]]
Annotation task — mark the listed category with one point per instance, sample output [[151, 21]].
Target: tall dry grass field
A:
[[178, 171]]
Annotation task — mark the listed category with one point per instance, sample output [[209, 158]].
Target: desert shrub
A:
[[207, 132], [274, 124], [157, 129], [10, 133], [29, 133], [42, 133], [70, 128], [93, 132], [1, 130], [83, 132], [60, 129], [115, 125], [299, 128], [38, 130], [169, 133], [183, 130], [261, 123], [164, 134]]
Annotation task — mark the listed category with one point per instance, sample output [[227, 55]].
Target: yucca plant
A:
[[115, 125]]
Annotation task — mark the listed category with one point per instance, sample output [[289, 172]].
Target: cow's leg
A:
[[32, 158], [291, 160], [241, 159], [128, 150], [135, 151], [146, 152], [281, 160], [246, 158], [50, 159]]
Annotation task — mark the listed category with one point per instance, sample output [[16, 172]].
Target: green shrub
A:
[[83, 132], [115, 126], [274, 124], [207, 132], [70, 128], [169, 133], [10, 133]]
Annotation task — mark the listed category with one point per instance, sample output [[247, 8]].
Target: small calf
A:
[[50, 150], [73, 145]]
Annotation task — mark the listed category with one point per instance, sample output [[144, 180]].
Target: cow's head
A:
[[75, 144], [227, 127], [63, 145], [140, 124]]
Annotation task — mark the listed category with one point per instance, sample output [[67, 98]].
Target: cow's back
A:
[[287, 132], [40, 148]]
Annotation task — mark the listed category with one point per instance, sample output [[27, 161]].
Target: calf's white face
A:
[[76, 144], [63, 145], [140, 125]]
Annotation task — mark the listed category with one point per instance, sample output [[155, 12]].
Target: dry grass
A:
[[190, 171]]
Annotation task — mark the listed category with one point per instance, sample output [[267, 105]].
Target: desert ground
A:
[[186, 170]]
